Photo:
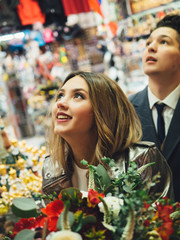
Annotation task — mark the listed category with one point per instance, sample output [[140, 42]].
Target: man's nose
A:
[[152, 47]]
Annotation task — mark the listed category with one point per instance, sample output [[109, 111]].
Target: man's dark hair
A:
[[172, 21]]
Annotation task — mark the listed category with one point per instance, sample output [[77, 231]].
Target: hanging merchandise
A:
[[9, 19], [32, 35], [48, 35], [95, 6], [142, 5], [75, 6], [29, 12], [54, 12], [62, 53], [113, 27], [20, 108]]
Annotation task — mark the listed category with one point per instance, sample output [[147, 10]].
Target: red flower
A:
[[164, 211], [25, 223], [146, 205], [93, 197], [53, 210], [40, 221], [165, 230], [177, 205], [146, 223]]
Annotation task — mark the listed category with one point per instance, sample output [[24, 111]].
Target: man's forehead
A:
[[164, 32]]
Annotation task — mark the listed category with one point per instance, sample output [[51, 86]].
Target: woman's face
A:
[[72, 113]]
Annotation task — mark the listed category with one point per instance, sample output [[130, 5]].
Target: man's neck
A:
[[161, 89]]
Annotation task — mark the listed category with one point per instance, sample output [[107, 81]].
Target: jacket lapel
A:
[[141, 105], [173, 136]]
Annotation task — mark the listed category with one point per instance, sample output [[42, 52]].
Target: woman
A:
[[92, 118]]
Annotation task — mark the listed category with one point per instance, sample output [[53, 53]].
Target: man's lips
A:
[[151, 59]]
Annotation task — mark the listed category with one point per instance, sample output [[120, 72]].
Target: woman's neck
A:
[[83, 149]]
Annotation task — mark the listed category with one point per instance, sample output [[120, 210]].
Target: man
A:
[[161, 62]]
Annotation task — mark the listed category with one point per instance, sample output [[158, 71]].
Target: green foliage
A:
[[102, 178], [72, 195], [24, 207], [123, 217], [25, 235]]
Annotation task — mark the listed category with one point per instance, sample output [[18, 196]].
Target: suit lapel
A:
[[173, 136], [141, 105]]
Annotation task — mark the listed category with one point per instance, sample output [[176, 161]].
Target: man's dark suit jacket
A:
[[171, 149]]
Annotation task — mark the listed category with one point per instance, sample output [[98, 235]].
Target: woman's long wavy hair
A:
[[117, 124]]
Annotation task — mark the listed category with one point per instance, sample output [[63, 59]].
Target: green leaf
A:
[[77, 227], [25, 234], [24, 207], [141, 169], [175, 215], [127, 189], [84, 162], [102, 173], [89, 219], [109, 161], [70, 220]]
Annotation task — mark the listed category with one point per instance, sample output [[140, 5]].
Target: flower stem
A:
[[129, 228], [65, 222], [107, 216], [91, 184]]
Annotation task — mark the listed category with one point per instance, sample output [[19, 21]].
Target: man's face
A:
[[162, 53]]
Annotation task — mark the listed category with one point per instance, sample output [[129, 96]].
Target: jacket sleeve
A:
[[164, 186], [53, 178]]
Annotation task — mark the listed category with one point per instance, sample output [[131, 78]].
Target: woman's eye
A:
[[164, 42], [147, 44], [60, 95], [79, 95]]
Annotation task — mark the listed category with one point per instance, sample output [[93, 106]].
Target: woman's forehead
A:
[[75, 83]]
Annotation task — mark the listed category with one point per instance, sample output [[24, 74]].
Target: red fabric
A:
[[113, 27], [95, 6], [29, 12], [75, 6]]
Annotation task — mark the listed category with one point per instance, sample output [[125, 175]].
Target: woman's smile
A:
[[61, 116]]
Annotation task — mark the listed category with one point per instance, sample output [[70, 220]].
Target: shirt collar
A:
[[171, 100]]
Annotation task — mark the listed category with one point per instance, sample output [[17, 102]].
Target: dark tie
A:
[[160, 121]]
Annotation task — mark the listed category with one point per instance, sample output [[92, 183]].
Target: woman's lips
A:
[[63, 116]]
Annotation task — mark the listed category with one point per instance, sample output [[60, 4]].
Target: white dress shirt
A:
[[168, 111]]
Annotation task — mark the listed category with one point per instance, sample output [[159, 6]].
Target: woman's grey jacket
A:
[[54, 180]]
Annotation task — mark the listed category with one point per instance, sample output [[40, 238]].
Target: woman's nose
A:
[[62, 103]]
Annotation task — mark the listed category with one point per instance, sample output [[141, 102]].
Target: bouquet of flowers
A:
[[111, 209]]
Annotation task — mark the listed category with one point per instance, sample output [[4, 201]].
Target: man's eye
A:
[[79, 95]]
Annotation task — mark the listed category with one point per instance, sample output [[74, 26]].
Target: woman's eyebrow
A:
[[80, 89], [74, 90]]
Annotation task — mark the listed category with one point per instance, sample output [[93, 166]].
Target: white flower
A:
[[114, 205], [64, 235]]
